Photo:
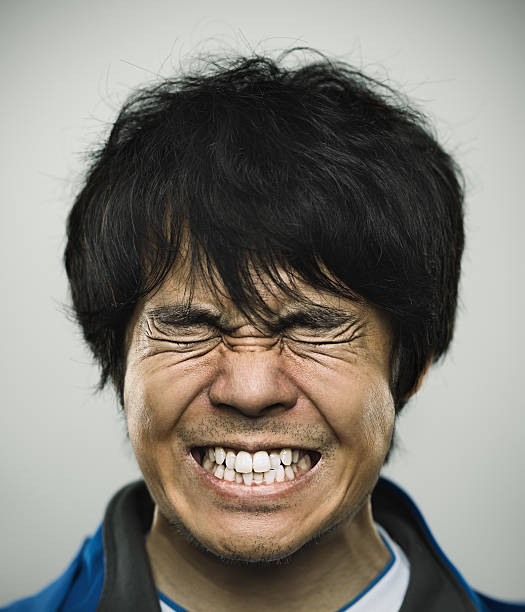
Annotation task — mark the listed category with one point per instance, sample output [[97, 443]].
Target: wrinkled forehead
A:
[[264, 303]]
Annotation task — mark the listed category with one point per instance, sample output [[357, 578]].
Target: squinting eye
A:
[[185, 344], [321, 342], [315, 342]]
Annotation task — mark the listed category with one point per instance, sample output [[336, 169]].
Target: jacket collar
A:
[[435, 585], [128, 581]]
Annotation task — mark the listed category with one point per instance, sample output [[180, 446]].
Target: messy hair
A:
[[248, 165]]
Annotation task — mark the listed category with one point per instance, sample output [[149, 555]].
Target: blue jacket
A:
[[111, 572]]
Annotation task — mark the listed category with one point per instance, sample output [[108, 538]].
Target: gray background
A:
[[67, 66]]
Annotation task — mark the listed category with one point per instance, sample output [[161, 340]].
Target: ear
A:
[[420, 380]]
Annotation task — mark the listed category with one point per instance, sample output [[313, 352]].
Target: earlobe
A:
[[420, 380]]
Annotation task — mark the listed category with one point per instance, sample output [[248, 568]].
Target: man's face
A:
[[314, 379]]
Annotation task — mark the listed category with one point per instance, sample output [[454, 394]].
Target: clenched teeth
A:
[[256, 468]]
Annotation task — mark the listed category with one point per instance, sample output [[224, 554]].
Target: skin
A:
[[234, 384]]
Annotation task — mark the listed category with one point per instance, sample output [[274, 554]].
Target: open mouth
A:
[[255, 468]]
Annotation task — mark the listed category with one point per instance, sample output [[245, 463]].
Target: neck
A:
[[324, 576]]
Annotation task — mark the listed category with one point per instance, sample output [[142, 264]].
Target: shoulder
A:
[[431, 569], [77, 589]]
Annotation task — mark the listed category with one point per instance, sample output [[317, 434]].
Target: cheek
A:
[[156, 397], [358, 407], [377, 420]]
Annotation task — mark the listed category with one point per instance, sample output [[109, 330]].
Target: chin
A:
[[246, 549], [260, 555], [260, 550]]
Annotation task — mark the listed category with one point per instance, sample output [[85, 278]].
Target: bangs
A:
[[236, 261]]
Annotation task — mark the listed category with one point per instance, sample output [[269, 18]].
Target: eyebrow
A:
[[316, 317], [184, 315], [310, 316]]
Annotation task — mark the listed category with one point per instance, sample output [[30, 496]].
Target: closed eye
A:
[[319, 342], [341, 334], [179, 345]]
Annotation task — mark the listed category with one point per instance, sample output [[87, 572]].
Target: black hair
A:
[[247, 165]]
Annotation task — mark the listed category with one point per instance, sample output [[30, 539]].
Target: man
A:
[[264, 262]]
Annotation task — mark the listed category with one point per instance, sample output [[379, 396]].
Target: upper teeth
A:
[[257, 467]]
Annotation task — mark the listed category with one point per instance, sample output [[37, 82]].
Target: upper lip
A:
[[254, 446]]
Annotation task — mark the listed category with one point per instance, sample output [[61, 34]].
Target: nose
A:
[[253, 382]]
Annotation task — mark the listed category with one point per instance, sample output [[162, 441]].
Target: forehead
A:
[[262, 300]]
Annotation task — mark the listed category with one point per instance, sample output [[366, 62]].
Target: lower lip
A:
[[262, 492]]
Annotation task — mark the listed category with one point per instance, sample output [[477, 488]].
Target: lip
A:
[[253, 446], [264, 492]]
